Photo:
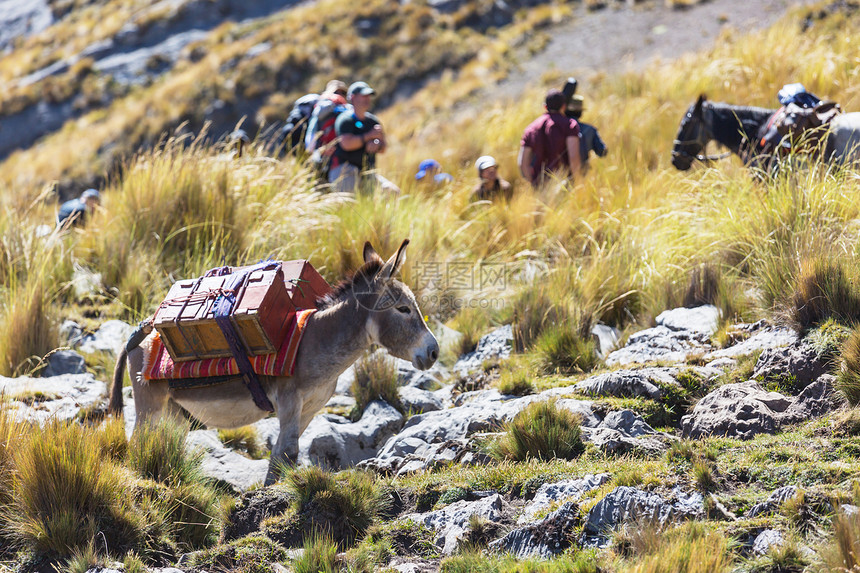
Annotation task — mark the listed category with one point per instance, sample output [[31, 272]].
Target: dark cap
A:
[[555, 100], [360, 88]]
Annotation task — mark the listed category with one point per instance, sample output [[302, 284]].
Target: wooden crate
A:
[[263, 312], [304, 283]]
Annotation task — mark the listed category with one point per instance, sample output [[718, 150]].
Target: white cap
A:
[[485, 161]]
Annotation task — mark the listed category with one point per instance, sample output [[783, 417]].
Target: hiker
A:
[[292, 135], [589, 139], [73, 213], [801, 112], [490, 186], [550, 144], [430, 170], [360, 139]]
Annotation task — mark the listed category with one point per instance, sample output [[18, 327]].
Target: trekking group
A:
[[341, 138]]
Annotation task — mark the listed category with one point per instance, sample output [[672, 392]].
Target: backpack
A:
[[293, 132]]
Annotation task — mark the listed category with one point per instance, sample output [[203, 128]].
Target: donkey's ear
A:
[[370, 253], [392, 265]]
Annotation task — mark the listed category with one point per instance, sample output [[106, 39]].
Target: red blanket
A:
[[158, 365]]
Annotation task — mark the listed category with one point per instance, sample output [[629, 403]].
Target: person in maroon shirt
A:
[[550, 144]]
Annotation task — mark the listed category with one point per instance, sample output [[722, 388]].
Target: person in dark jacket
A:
[[73, 213], [589, 139]]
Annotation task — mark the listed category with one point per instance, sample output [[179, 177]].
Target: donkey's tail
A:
[[115, 406]]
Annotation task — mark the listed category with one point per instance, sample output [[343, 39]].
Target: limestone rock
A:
[[629, 503], [545, 538], [64, 362], [799, 360], [226, 465], [451, 523], [567, 490], [496, 345], [739, 410]]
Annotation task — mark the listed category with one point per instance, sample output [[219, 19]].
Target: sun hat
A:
[[576, 103], [426, 166], [484, 162]]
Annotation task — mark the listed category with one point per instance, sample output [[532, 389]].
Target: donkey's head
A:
[[393, 317]]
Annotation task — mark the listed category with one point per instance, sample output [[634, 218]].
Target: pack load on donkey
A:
[[234, 322]]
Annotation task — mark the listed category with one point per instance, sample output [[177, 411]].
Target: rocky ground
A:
[[448, 428]]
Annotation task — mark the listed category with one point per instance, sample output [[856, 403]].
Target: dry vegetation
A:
[[617, 247]]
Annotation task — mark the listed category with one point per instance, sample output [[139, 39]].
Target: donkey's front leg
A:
[[286, 448]]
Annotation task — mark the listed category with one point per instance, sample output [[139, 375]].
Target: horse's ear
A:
[[392, 265], [702, 99], [370, 253]]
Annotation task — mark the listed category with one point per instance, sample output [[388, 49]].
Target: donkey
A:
[[372, 307], [739, 129]]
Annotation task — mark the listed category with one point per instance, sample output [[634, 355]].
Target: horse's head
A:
[[394, 320], [693, 136]]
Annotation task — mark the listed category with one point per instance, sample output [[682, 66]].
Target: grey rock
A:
[[333, 445], [723, 363], [545, 539], [419, 401], [21, 19], [567, 490], [71, 332], [765, 540], [628, 383], [606, 338], [703, 320], [817, 399], [451, 523], [496, 345], [268, 430], [224, 464], [61, 397], [764, 339], [64, 362], [774, 501], [659, 344], [110, 337], [628, 503], [614, 442], [799, 360], [736, 410], [627, 422], [848, 509]]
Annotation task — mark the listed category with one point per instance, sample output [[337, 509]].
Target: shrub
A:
[[157, 451], [343, 506], [375, 379], [848, 377], [825, 289], [245, 439], [564, 351], [319, 556], [543, 431], [515, 381]]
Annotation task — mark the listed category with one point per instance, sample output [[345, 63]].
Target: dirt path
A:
[[627, 36]]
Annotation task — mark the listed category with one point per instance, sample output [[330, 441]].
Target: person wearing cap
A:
[[73, 213], [490, 186], [589, 139], [360, 139], [431, 170], [550, 144], [320, 136]]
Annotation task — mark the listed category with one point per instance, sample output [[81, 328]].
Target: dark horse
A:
[[739, 128]]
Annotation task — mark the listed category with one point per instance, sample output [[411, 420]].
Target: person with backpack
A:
[[321, 135], [550, 144], [589, 138], [360, 138], [292, 135]]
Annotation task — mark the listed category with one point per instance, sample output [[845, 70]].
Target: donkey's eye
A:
[[404, 309]]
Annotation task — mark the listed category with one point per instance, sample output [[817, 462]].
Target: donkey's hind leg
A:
[[150, 396]]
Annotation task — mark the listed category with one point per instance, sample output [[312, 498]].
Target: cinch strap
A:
[[222, 309]]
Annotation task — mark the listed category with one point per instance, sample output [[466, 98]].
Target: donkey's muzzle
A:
[[426, 357]]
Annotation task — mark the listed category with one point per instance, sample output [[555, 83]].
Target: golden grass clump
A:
[[245, 439], [375, 379], [157, 451], [848, 375], [692, 547], [541, 431], [842, 553], [826, 289]]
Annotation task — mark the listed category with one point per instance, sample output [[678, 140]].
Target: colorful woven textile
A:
[[158, 365]]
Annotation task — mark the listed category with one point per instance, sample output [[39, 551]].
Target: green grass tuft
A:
[[375, 379], [542, 431]]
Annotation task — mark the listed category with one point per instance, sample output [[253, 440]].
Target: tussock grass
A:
[[245, 439], [826, 289], [342, 506], [690, 547], [319, 556], [843, 551], [542, 431], [515, 379], [157, 452], [848, 376], [375, 379]]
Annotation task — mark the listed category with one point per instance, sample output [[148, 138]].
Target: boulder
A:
[[110, 337], [799, 361], [64, 362], [336, 446], [567, 490], [419, 401], [252, 508], [544, 539], [703, 320], [629, 503], [61, 397], [627, 422], [765, 540], [606, 339], [774, 501], [496, 345], [224, 464], [817, 399], [451, 523], [628, 383], [763, 339], [739, 410]]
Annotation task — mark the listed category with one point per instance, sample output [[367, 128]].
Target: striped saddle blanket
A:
[[158, 365]]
